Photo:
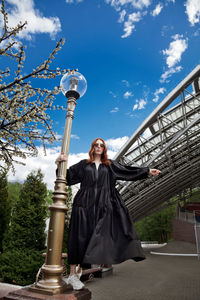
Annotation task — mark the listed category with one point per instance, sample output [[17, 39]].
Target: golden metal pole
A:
[[52, 270]]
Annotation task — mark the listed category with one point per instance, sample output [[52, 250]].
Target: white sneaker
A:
[[79, 271], [74, 281]]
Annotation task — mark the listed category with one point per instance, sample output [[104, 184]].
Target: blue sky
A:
[[132, 53]]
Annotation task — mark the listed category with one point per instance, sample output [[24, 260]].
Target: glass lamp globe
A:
[[73, 85]]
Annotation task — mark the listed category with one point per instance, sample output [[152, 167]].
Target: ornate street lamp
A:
[[73, 86]]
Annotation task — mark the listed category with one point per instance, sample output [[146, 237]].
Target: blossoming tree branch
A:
[[24, 107]]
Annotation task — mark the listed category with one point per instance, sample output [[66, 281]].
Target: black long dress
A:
[[101, 230]]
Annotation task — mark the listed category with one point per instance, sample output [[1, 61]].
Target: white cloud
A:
[[138, 4], [74, 158], [197, 32], [135, 106], [140, 104], [193, 11], [129, 25], [114, 95], [116, 144], [47, 163], [111, 154], [23, 10], [169, 73], [126, 82], [75, 136], [157, 93], [127, 94], [121, 16], [165, 29], [73, 1], [175, 51], [157, 10], [136, 16], [114, 110]]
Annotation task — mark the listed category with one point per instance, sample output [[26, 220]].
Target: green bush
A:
[[20, 266], [27, 223], [24, 239]]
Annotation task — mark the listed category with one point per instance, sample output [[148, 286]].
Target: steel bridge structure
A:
[[169, 140]]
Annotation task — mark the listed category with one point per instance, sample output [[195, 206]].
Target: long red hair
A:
[[104, 155]]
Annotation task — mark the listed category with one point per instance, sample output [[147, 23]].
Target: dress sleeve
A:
[[75, 173], [128, 173]]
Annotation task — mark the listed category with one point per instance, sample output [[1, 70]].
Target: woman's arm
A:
[[131, 173], [74, 173]]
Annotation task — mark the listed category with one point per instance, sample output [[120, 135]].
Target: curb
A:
[[172, 254]]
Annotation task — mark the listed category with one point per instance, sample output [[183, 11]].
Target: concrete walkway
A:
[[156, 278]]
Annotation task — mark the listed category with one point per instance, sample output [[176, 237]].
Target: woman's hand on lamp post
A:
[[61, 157], [154, 172]]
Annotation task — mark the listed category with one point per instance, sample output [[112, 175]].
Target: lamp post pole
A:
[[51, 282]]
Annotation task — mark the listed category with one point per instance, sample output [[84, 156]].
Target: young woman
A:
[[101, 230]]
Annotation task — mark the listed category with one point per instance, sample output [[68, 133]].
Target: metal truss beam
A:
[[172, 146]]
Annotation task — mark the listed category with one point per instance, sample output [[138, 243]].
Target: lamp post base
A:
[[47, 290], [69, 294]]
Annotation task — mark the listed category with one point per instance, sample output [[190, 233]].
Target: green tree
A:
[[67, 220], [9, 194], [20, 266], [5, 207], [14, 192], [24, 240], [157, 227], [67, 217], [49, 201], [28, 216]]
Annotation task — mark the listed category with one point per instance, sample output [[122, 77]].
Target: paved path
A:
[[156, 278]]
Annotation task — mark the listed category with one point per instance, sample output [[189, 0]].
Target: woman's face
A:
[[98, 147]]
